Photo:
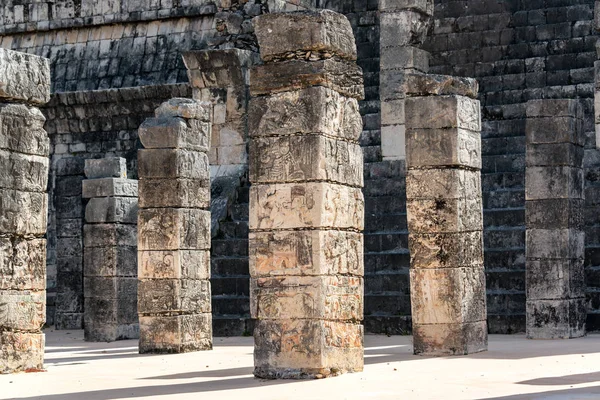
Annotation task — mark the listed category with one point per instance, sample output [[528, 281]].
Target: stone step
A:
[[231, 305], [230, 286], [229, 266], [232, 326], [387, 304], [387, 262], [233, 229], [229, 247], [388, 324], [378, 242]]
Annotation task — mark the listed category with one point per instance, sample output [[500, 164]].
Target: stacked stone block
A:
[[445, 222], [597, 76], [403, 28], [24, 151], [110, 251], [554, 201], [306, 203], [174, 229]]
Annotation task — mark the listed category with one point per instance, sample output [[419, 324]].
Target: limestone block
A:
[[106, 187], [392, 113], [178, 192], [174, 264], [106, 235], [311, 110], [326, 297], [175, 132], [22, 130], [110, 261], [175, 334], [23, 213], [402, 28], [554, 130], [405, 58], [554, 154], [558, 182], [556, 319], [447, 295], [24, 77], [112, 209], [450, 339], [157, 296], [555, 279], [443, 147], [554, 108], [219, 68], [445, 215], [554, 243], [22, 264], [22, 310], [424, 6], [439, 85], [322, 31], [307, 205], [341, 76], [184, 108], [173, 163], [109, 167], [173, 229], [110, 287], [20, 351], [451, 183], [23, 171], [554, 214], [292, 349], [69, 227], [446, 250], [434, 112], [315, 252], [393, 142], [306, 158]]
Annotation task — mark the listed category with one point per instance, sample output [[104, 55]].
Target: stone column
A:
[[24, 154], [403, 28], [110, 251], [174, 229], [597, 75], [306, 203], [555, 239], [445, 215]]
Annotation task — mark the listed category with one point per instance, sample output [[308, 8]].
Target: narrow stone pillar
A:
[[24, 159], [403, 28], [174, 229], [597, 75], [110, 251], [555, 239], [445, 215], [306, 203]]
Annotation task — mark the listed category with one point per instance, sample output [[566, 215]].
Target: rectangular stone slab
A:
[[22, 130], [554, 243], [219, 68], [556, 319], [424, 6], [109, 167], [179, 193], [306, 158], [22, 310], [105, 187], [446, 250], [444, 215], [172, 163], [293, 349], [450, 111], [174, 264], [318, 252], [175, 133], [22, 263], [23, 213], [20, 351], [447, 183], [112, 209], [311, 110], [402, 28], [175, 334], [306, 205], [554, 214], [109, 287], [554, 130], [173, 229], [555, 279], [554, 183], [106, 235], [156, 296], [23, 172], [314, 297], [450, 339], [554, 154], [110, 261], [452, 147], [24, 77], [402, 58], [554, 108]]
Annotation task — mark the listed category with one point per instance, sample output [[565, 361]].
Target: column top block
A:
[[184, 108], [554, 108], [423, 6], [24, 78], [308, 35], [109, 167], [437, 85]]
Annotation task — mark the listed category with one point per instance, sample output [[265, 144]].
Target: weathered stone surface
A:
[[554, 130], [24, 77], [107, 187], [555, 243], [306, 158], [555, 279], [184, 108], [296, 349], [554, 214], [307, 297], [108, 167], [311, 110], [445, 215], [120, 261], [434, 112], [158, 296], [22, 264], [401, 28], [175, 334], [175, 132], [112, 209], [446, 250], [219, 68], [178, 192], [553, 108], [174, 264], [343, 77], [320, 32], [106, 235], [22, 310], [556, 319], [424, 6], [110, 287], [450, 339], [173, 229], [405, 59], [20, 351], [437, 85], [22, 130], [23, 213], [449, 183], [443, 147], [23, 171], [308, 205], [554, 154], [315, 252], [172, 163], [558, 182]]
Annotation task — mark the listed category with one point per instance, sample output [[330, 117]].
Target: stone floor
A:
[[514, 368]]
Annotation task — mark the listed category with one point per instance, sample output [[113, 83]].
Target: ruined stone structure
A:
[[554, 198], [174, 229], [24, 150], [306, 205], [110, 251]]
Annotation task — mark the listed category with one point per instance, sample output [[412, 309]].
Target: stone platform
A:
[[513, 368]]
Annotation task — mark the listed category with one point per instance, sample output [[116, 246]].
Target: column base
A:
[[21, 352], [450, 339], [556, 319], [175, 334]]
